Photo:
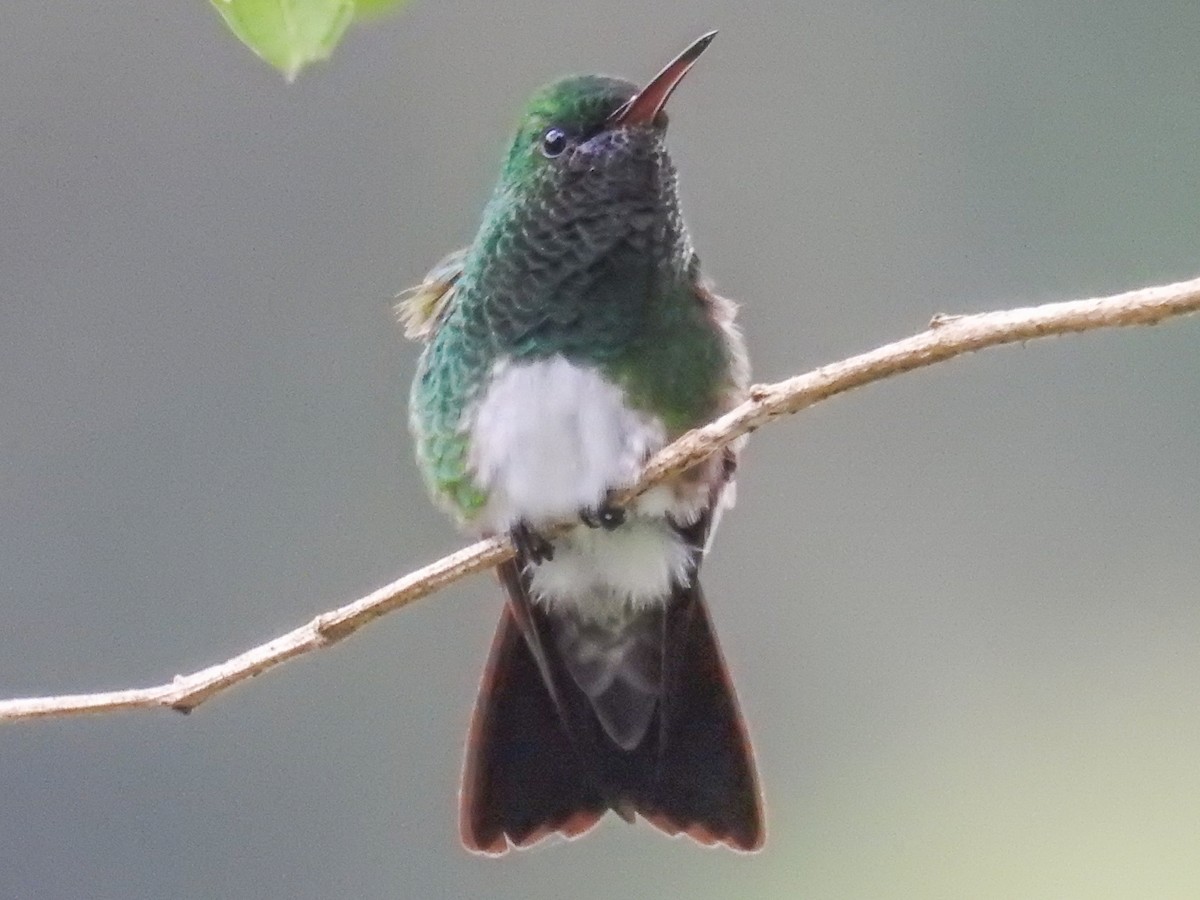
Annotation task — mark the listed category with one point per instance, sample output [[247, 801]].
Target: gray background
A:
[[961, 606]]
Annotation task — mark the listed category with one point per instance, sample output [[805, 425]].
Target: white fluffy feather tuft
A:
[[605, 570]]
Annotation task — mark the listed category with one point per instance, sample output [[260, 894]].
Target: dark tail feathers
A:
[[539, 764]]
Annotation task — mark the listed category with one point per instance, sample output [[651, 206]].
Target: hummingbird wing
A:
[[421, 309]]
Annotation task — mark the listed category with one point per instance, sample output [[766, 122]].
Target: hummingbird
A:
[[574, 338]]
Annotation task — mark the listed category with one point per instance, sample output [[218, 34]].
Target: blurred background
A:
[[960, 606]]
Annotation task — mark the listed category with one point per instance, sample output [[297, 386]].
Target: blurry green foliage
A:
[[369, 9], [290, 34]]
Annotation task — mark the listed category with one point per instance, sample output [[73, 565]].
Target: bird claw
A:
[[530, 545], [607, 516]]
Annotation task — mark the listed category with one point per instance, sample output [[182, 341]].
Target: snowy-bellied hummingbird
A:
[[574, 338]]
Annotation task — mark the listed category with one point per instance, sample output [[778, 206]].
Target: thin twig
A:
[[947, 337]]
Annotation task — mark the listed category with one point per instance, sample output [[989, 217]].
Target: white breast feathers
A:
[[549, 438]]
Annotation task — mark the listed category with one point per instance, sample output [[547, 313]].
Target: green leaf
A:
[[371, 9], [289, 34]]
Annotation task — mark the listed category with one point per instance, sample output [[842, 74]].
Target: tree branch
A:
[[946, 337]]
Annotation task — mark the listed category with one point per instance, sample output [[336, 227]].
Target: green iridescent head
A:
[[592, 135], [560, 120]]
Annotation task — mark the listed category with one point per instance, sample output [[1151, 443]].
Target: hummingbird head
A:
[[568, 139], [589, 157]]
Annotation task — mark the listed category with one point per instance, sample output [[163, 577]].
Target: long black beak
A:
[[649, 101]]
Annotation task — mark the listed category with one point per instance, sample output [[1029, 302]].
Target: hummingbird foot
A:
[[607, 516], [530, 545]]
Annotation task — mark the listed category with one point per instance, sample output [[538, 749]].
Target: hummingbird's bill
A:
[[650, 100]]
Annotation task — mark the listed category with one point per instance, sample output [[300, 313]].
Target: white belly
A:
[[602, 571], [549, 439]]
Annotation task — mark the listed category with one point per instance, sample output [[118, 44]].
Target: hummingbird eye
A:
[[554, 142]]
